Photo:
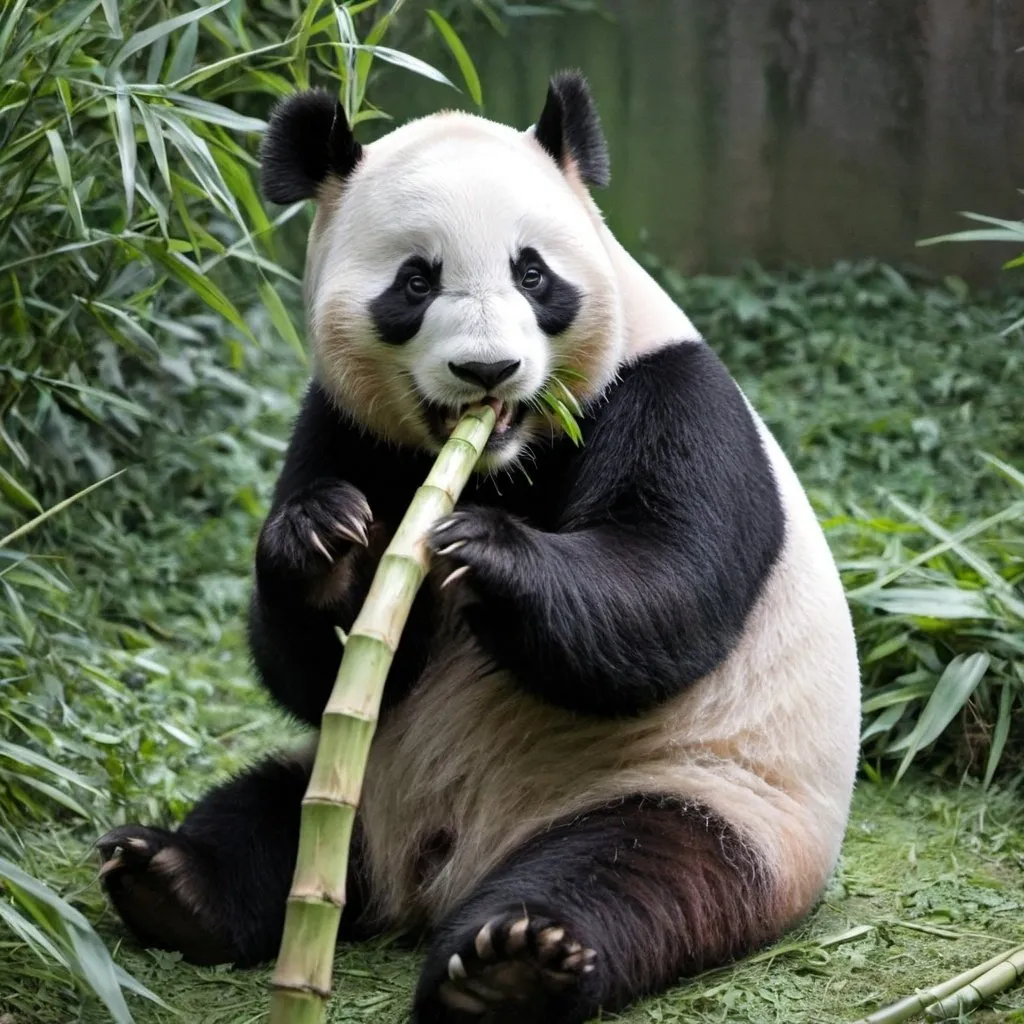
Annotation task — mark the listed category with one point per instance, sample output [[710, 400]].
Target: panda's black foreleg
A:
[[596, 912], [215, 890]]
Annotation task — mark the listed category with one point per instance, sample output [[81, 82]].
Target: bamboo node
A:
[[301, 988]]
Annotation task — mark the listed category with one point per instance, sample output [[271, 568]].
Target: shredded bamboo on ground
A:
[[302, 979]]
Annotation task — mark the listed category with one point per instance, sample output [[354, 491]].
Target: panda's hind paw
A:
[[165, 892], [514, 967]]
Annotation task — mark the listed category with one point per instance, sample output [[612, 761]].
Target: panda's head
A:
[[453, 260]]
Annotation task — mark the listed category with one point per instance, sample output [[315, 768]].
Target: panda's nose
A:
[[487, 375]]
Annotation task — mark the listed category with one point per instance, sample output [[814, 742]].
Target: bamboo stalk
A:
[[302, 979], [919, 1002], [995, 980]]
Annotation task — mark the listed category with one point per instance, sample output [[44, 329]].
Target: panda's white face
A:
[[459, 263]]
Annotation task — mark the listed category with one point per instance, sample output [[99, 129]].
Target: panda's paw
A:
[[486, 546], [312, 532], [165, 892], [515, 967]]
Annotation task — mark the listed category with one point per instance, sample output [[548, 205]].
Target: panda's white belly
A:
[[769, 741]]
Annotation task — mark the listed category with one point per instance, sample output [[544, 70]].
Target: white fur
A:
[[470, 193]]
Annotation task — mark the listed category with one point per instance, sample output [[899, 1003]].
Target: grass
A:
[[127, 666], [929, 884]]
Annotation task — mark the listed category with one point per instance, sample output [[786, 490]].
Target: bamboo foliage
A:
[[302, 979]]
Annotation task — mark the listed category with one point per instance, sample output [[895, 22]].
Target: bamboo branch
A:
[[928, 999], [302, 980]]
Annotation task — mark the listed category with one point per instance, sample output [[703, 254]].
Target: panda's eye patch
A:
[[399, 310], [555, 301], [533, 278]]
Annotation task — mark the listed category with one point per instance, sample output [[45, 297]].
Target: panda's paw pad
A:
[[516, 959]]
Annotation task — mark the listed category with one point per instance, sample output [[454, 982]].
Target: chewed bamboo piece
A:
[[995, 980], [931, 998], [302, 980]]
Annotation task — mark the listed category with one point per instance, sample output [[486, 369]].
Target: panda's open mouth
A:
[[442, 419]]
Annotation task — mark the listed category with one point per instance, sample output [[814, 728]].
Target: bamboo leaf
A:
[[189, 274], [952, 691], [461, 55], [91, 959], [16, 493], [403, 60], [184, 56], [63, 168], [201, 74], [113, 16], [30, 758], [281, 320], [28, 527], [1000, 733], [155, 139], [148, 36], [126, 145]]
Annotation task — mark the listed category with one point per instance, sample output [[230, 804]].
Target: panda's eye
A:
[[532, 279], [417, 287]]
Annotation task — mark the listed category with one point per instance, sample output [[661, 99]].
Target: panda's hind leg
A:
[[595, 913], [215, 890]]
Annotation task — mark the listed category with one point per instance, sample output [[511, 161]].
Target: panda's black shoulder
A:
[[681, 391], [675, 432]]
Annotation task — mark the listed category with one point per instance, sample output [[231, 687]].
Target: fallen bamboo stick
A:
[[302, 979], [976, 991], [919, 1002]]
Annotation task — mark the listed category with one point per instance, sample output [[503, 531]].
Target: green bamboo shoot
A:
[[302, 980], [916, 1004]]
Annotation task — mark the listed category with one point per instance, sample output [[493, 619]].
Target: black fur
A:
[[308, 137], [622, 574], [570, 129], [555, 301], [668, 530], [397, 313], [294, 644], [645, 891]]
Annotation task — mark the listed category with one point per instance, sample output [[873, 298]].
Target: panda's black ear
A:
[[570, 130], [308, 138]]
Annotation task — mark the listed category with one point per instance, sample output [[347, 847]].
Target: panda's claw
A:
[[517, 962], [315, 540], [115, 862], [354, 531], [453, 576], [451, 549]]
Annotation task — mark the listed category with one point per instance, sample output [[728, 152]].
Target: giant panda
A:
[[618, 742]]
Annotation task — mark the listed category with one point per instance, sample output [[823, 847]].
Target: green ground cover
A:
[[123, 659]]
